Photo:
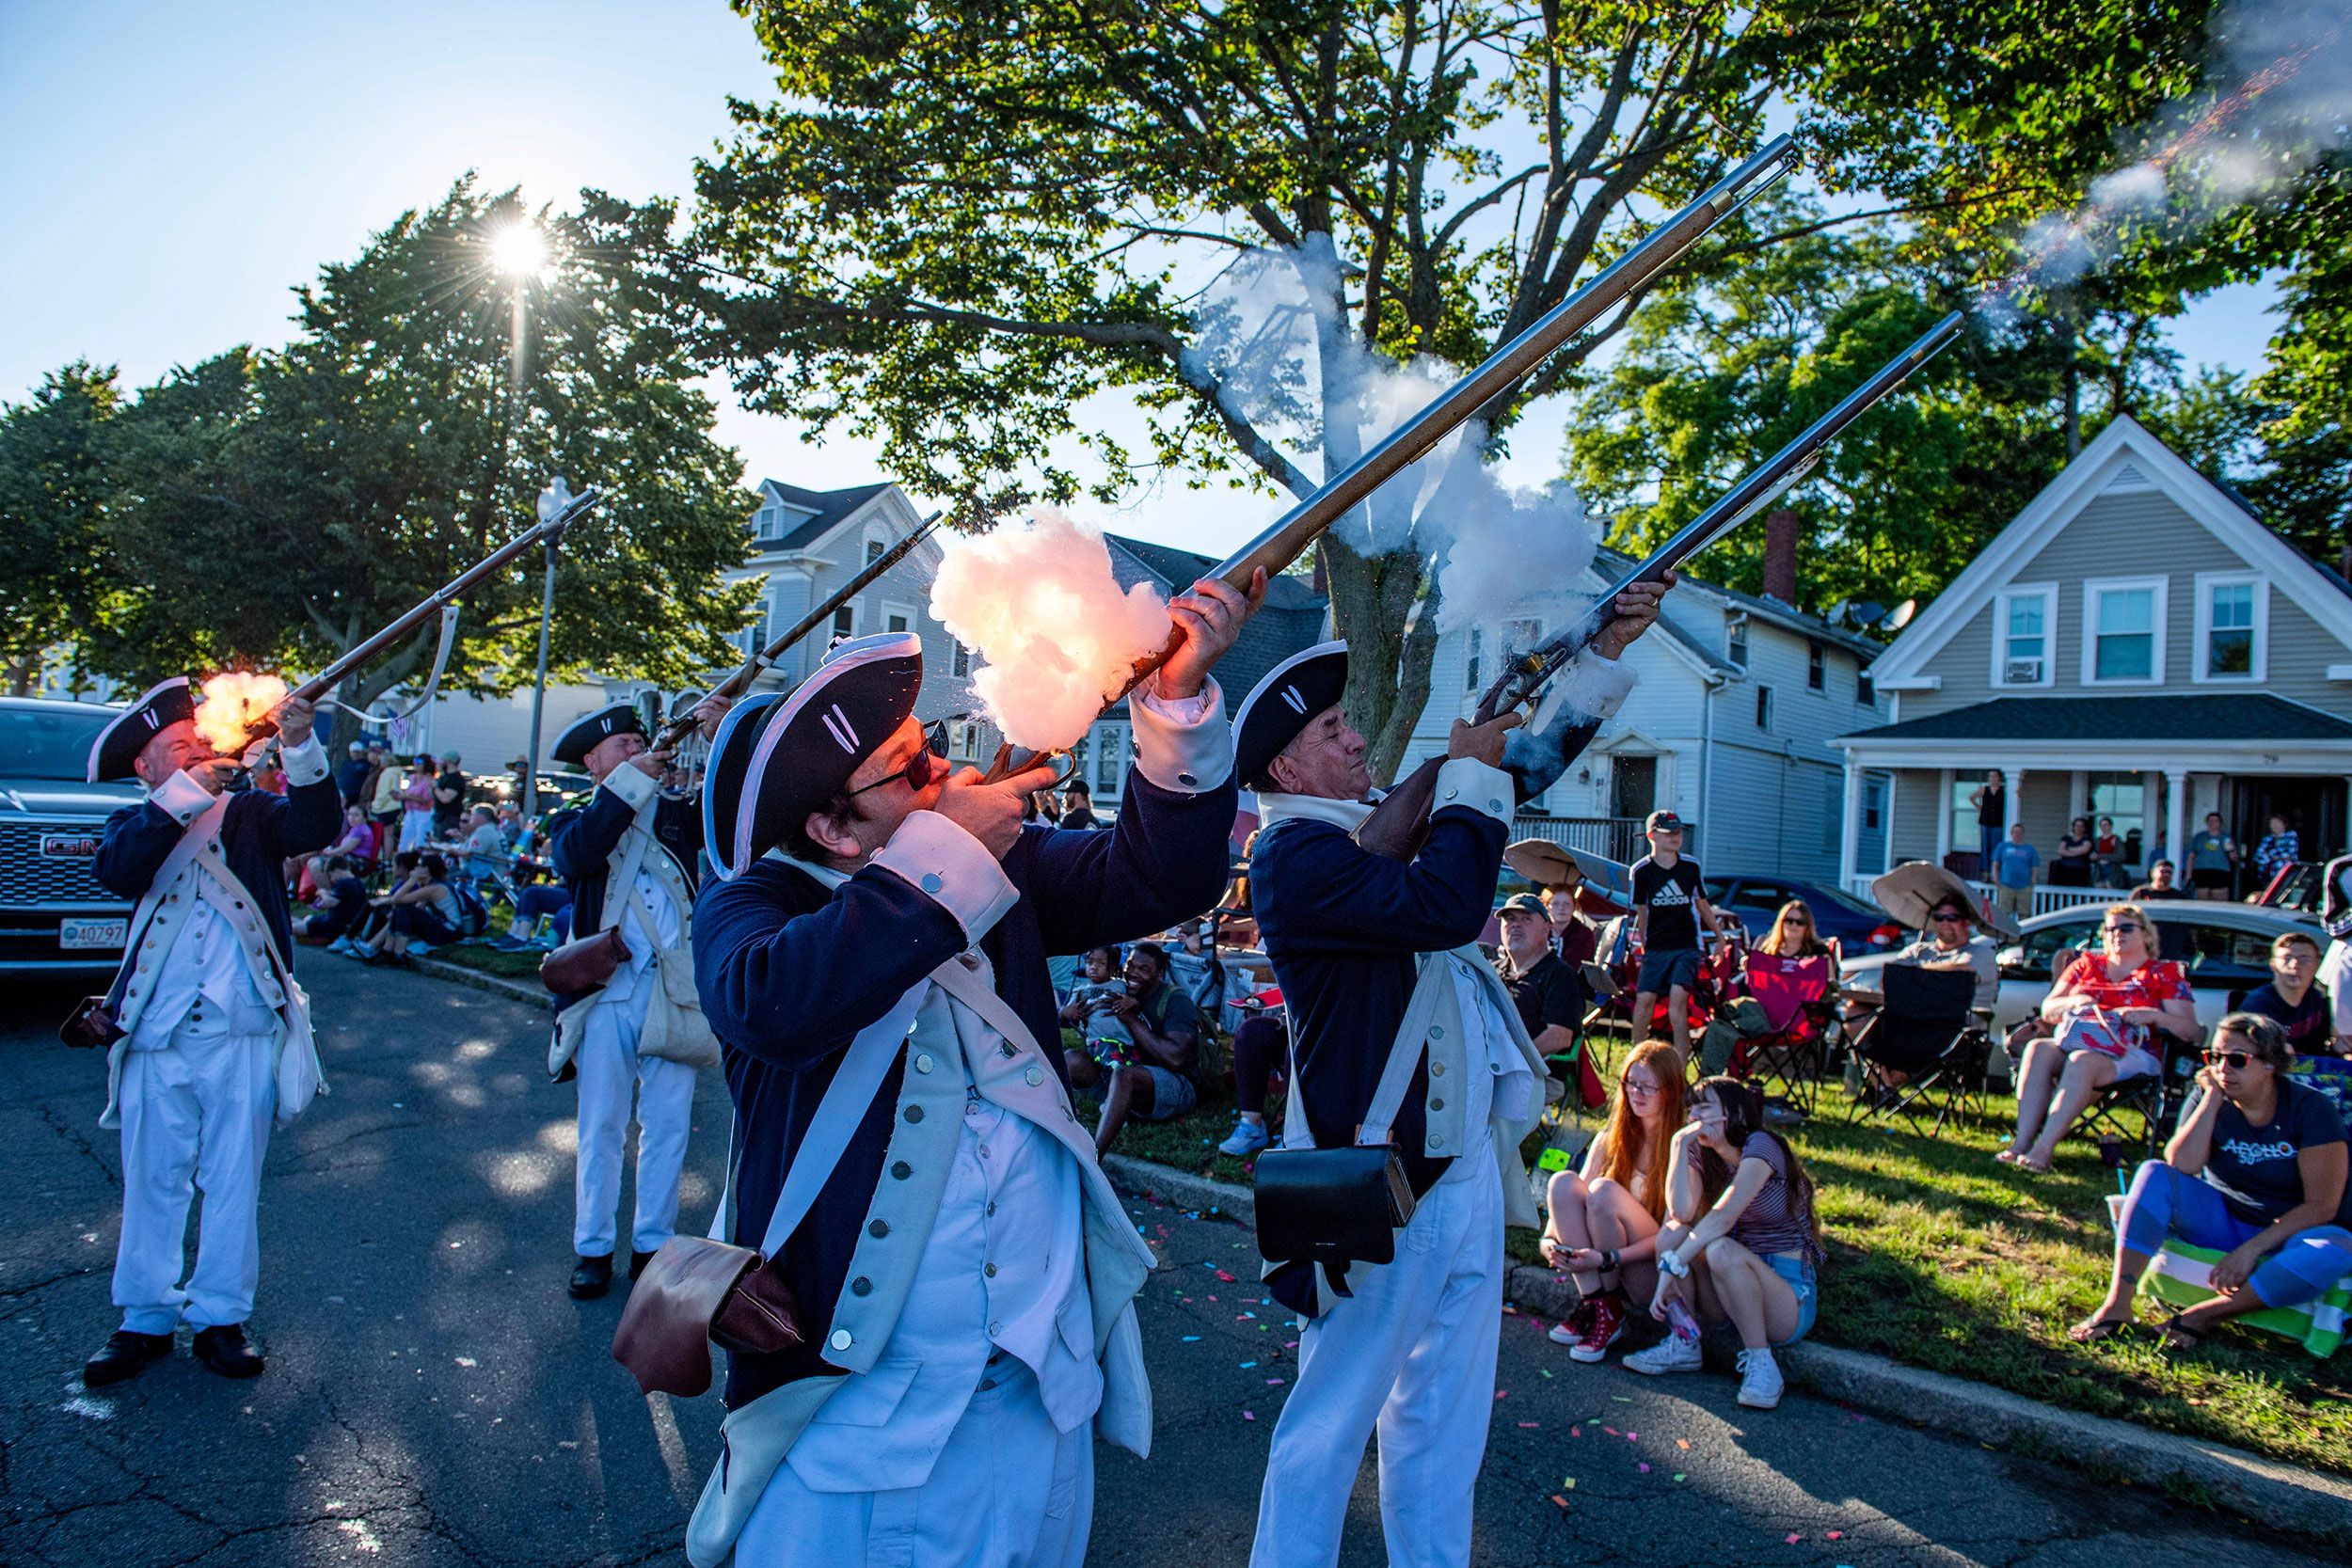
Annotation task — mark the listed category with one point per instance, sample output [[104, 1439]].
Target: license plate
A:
[[75, 935], [70, 847]]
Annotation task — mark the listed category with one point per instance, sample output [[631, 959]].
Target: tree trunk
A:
[[1388, 680]]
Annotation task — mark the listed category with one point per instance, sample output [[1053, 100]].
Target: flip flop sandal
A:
[[2174, 1335], [2006, 1156], [2032, 1167], [2093, 1331]]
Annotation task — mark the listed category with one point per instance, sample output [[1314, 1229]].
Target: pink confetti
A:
[[1643, 1468], [1575, 1432], [1837, 1535], [1274, 1383], [1793, 1538], [1632, 1436], [1224, 1279], [1503, 1393], [1613, 1432], [1526, 1424]]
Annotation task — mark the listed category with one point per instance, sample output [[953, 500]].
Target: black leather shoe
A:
[[636, 1261], [124, 1356], [592, 1278], [224, 1349]]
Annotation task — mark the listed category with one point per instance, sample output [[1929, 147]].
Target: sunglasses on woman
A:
[[2122, 928], [2237, 1061], [929, 763]]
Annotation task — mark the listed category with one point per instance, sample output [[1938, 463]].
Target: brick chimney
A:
[[1780, 555]]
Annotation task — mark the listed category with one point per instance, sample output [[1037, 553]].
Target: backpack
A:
[[473, 915]]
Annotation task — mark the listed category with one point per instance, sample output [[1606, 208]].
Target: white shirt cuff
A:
[[182, 798], [951, 868], [1184, 744], [631, 783], [305, 763], [1468, 782], [1594, 686]]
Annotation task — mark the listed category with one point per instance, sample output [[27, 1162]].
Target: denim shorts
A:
[[1661, 972], [1800, 1277], [1172, 1095]]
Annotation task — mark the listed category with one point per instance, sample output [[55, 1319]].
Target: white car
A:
[[2225, 948]]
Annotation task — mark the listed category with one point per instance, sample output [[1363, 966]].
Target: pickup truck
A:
[[55, 917]]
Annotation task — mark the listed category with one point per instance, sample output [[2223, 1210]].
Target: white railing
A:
[[1615, 838], [2045, 897]]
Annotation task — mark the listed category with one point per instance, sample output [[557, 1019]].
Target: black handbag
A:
[[1335, 1207]]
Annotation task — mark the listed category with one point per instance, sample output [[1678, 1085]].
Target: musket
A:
[[1287, 538], [740, 682], [1398, 824], [326, 680]]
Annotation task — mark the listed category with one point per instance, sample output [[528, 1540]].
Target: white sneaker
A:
[[1246, 1138], [1673, 1354], [1760, 1383]]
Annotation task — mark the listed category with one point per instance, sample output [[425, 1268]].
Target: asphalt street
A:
[[433, 1398]]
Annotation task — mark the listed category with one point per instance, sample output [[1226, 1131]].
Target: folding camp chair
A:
[[2142, 1110], [1927, 1029], [1798, 1009]]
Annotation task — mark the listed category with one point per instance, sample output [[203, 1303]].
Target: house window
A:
[[1817, 668], [960, 660], [2124, 798], [898, 618], [1964, 822], [2123, 631], [2232, 625], [895, 622], [1736, 641], [2022, 621], [1865, 692], [1109, 757], [1763, 707], [1470, 664], [845, 621], [874, 548], [766, 522]]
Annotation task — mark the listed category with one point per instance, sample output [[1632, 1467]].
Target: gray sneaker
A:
[[1673, 1354], [1248, 1138]]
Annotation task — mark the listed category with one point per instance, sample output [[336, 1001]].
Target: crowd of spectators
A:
[[2090, 854]]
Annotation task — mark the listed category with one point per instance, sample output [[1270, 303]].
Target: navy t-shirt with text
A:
[[2310, 1023], [1669, 894], [2255, 1169]]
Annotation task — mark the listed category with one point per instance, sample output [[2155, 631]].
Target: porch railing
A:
[[1616, 838], [2045, 897]]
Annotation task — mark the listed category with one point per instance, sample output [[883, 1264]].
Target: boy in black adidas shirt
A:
[[1668, 906]]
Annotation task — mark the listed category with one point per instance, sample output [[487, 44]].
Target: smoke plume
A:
[[232, 704], [1038, 602]]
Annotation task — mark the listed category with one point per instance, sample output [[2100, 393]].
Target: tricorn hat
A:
[[575, 743], [730, 763], [1278, 706], [832, 721], [120, 743]]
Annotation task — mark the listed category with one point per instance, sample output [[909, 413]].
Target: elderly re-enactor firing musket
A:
[[1290, 535], [1398, 824]]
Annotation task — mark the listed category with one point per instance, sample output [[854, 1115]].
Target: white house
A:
[[2135, 644], [1731, 726]]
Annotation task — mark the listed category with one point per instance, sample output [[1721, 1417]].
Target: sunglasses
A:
[[2237, 1061], [1942, 915], [2120, 929], [925, 764]]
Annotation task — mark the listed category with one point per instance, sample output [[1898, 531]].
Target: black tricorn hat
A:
[[730, 763], [832, 721], [120, 743], [1278, 706], [575, 743]]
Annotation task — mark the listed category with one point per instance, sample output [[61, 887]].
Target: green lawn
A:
[[1939, 1258], [491, 960]]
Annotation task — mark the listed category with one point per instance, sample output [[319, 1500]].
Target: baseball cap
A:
[[1663, 822], [1524, 903]]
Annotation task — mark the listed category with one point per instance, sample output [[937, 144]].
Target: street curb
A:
[[514, 990], [2282, 1497]]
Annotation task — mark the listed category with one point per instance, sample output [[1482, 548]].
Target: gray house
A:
[[2137, 644]]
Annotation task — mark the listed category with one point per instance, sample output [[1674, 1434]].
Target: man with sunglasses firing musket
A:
[[910, 1163], [630, 858]]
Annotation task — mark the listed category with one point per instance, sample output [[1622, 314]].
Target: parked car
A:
[[54, 914], [2224, 947], [1855, 924]]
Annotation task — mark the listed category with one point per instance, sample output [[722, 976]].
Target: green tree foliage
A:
[[274, 509], [55, 454]]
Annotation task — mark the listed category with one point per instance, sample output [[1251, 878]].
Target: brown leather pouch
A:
[[584, 963], [696, 1290], [89, 1026]]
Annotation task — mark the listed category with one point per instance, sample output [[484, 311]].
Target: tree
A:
[[277, 508], [55, 454]]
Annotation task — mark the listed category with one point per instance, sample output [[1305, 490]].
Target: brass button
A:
[[990, 1270], [879, 1229], [901, 1169], [1436, 1070], [924, 1063], [914, 1113], [840, 1340], [1437, 1032], [1035, 1075], [860, 1286], [1437, 1104]]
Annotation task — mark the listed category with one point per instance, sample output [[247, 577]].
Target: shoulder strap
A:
[[201, 829], [622, 879], [1404, 1055]]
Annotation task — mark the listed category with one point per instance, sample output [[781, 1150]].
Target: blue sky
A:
[[172, 170]]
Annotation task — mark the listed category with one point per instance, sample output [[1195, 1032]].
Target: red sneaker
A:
[[1572, 1332], [1602, 1329]]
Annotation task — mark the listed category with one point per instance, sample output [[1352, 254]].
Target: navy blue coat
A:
[[790, 972], [581, 841], [258, 833]]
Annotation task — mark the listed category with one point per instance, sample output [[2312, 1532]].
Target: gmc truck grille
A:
[[28, 877]]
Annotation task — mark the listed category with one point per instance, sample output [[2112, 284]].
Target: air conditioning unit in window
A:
[[2021, 671]]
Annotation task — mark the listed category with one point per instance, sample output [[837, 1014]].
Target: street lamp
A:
[[552, 500]]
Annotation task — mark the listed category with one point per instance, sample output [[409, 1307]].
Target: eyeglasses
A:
[[2122, 928], [1635, 1086], [2237, 1061], [1947, 916], [1798, 920], [925, 764]]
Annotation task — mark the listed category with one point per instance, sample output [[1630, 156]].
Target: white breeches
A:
[[2335, 975], [1009, 1492], [195, 1115], [1413, 1351], [609, 1070]]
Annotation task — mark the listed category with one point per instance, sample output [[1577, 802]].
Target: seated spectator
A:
[[2106, 855], [2104, 1011], [2281, 847], [1604, 1218], [1261, 1041], [1093, 1011], [484, 849], [342, 899], [1951, 940], [1159, 1081], [421, 910], [1548, 993], [2257, 1169], [2073, 866], [2161, 884], [1743, 1244], [2292, 1000], [2013, 871], [549, 901]]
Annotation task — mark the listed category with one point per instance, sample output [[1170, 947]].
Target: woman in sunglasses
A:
[[2107, 1011], [2257, 1171]]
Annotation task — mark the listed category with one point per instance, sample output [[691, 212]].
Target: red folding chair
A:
[[1796, 996]]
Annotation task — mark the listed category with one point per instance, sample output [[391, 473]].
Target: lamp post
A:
[[552, 500]]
